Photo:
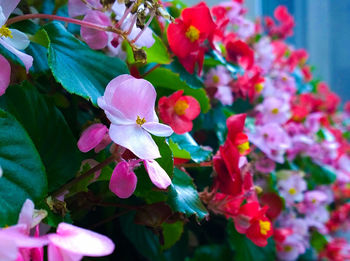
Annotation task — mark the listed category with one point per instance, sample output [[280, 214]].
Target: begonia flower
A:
[[187, 34], [240, 53], [274, 109], [129, 105], [178, 111], [73, 243], [123, 180], [13, 40], [292, 187], [78, 7], [94, 137]]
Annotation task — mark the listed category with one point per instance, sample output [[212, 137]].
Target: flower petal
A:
[[132, 97], [134, 138], [81, 241], [5, 74], [157, 174], [91, 137], [114, 115], [158, 129], [25, 58], [8, 6], [94, 38], [19, 40], [123, 181], [26, 215]]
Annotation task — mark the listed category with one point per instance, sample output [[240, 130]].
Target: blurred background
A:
[[322, 28]]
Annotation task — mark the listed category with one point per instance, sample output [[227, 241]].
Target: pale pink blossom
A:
[[274, 109], [78, 7], [129, 105], [71, 243]]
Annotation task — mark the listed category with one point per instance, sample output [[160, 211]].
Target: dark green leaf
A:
[[79, 69], [213, 253], [187, 143], [172, 233], [49, 131], [23, 172], [318, 241], [183, 196], [166, 79]]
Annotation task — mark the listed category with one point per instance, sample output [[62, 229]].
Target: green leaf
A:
[[158, 53], [318, 241], [49, 131], [213, 253], [245, 249], [183, 196], [164, 78], [23, 172], [186, 143], [172, 233], [144, 240], [79, 69]]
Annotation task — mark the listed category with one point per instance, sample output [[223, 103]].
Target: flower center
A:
[[292, 191], [274, 111], [192, 33], [287, 248], [265, 227], [259, 87], [5, 31], [140, 121], [243, 148], [180, 107], [216, 79]]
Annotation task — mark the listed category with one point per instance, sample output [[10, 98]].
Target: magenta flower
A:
[[129, 105], [78, 7], [94, 137], [71, 243], [5, 74], [123, 181]]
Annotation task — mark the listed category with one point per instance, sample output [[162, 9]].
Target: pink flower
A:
[[274, 110], [272, 140], [291, 186], [123, 181], [94, 137], [5, 74], [13, 40], [78, 7], [71, 243], [129, 105]]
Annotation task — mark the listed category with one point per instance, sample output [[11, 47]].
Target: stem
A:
[[58, 18], [151, 70], [195, 165], [85, 175], [102, 222], [144, 28], [121, 21]]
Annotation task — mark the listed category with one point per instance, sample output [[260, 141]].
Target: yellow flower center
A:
[[5, 31], [292, 191], [192, 33], [287, 248], [274, 111], [259, 87], [140, 121], [216, 79], [242, 148], [265, 227], [180, 107], [314, 201]]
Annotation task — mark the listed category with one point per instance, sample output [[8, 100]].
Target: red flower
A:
[[187, 33], [306, 73], [226, 161], [286, 23], [240, 53], [260, 230], [178, 111]]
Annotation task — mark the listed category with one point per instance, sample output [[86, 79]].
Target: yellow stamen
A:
[[274, 111], [258, 189], [5, 31], [265, 227], [181, 107], [216, 79], [287, 248], [314, 201], [242, 148], [192, 33], [140, 121], [259, 87], [292, 191]]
